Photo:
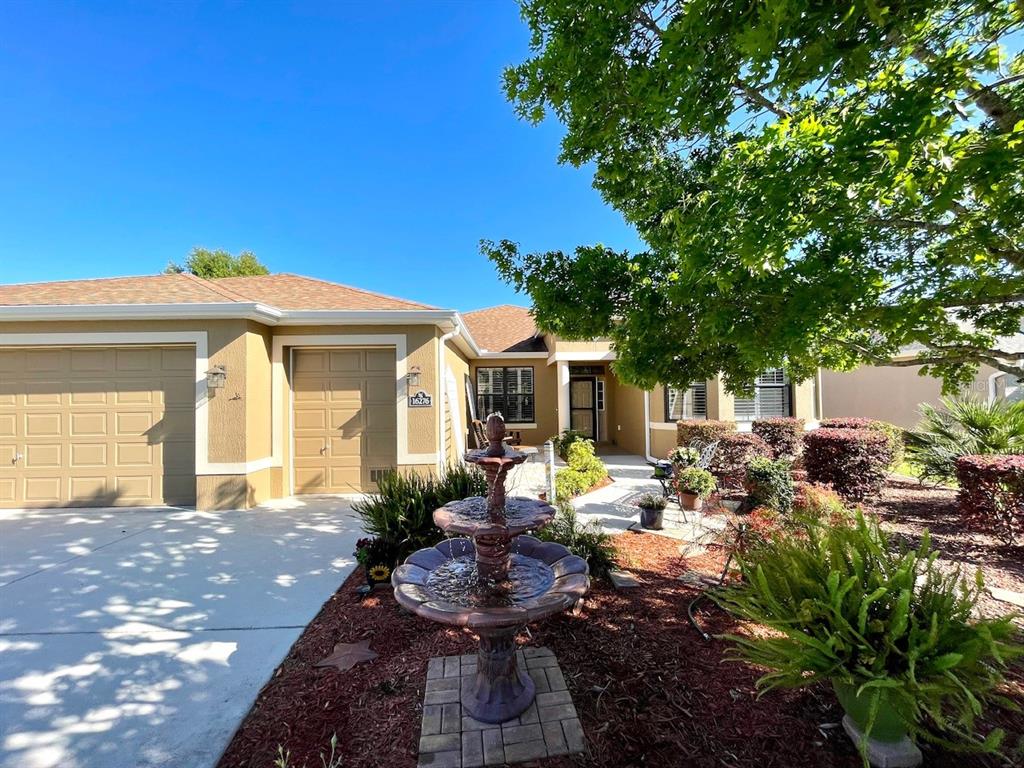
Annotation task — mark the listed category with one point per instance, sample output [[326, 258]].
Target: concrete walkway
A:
[[614, 505], [140, 637]]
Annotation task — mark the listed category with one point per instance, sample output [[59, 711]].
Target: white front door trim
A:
[[147, 338]]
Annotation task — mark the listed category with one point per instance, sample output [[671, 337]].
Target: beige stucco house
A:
[[171, 389]]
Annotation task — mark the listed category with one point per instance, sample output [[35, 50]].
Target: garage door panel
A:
[[43, 456], [43, 489], [44, 360], [44, 393], [334, 409], [86, 393], [88, 454], [135, 393], [89, 424], [91, 360], [128, 360], [42, 424], [133, 423], [134, 487], [97, 426]]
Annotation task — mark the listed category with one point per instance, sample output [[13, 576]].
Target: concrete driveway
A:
[[140, 637]]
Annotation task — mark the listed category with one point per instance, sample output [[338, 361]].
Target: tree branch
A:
[[756, 97]]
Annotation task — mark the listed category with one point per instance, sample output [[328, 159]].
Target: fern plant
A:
[[964, 426], [887, 625], [586, 540]]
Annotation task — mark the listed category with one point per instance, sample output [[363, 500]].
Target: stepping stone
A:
[[1007, 596], [624, 580]]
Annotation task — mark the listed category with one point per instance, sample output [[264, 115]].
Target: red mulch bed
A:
[[649, 690]]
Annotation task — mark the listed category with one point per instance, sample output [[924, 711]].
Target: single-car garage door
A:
[[91, 426], [344, 418]]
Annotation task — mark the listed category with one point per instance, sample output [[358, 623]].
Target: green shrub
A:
[[563, 441], [819, 502], [586, 540], [849, 608], [770, 484], [964, 427], [583, 472], [699, 482], [401, 513], [702, 430]]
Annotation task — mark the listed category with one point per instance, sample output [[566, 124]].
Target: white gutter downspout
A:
[[441, 447], [647, 426]]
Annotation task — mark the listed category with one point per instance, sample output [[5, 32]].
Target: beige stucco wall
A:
[[459, 366], [628, 425], [545, 388], [887, 393]]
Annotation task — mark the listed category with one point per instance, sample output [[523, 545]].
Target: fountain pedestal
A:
[[493, 582]]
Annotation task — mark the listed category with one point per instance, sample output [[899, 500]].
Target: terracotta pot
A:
[[888, 727], [691, 502]]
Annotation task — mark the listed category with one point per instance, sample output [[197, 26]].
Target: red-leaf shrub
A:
[[734, 452], [991, 494], [891, 431], [782, 433], [855, 462], [704, 430]]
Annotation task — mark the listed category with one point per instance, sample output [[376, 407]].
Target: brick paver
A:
[[549, 727]]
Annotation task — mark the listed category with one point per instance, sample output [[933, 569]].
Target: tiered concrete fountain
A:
[[494, 581]]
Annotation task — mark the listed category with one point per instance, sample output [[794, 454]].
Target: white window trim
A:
[[512, 425], [397, 341], [198, 339]]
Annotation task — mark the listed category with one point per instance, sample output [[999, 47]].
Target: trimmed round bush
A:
[[704, 430], [782, 433], [893, 433], [770, 484], [855, 462], [991, 496], [734, 452], [583, 472]]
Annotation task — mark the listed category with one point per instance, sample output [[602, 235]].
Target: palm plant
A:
[[964, 426]]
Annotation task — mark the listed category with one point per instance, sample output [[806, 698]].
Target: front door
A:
[[583, 406]]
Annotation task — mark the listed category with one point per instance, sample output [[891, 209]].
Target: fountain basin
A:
[[470, 516], [438, 584]]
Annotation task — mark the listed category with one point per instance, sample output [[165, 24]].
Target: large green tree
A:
[[203, 262], [818, 183]]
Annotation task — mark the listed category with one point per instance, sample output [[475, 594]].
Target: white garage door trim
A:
[[396, 340], [196, 338]]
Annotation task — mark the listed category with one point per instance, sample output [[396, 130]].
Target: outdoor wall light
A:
[[413, 377], [216, 377]]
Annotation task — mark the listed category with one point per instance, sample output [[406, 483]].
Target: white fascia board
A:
[[441, 317], [515, 355], [184, 311], [580, 357]]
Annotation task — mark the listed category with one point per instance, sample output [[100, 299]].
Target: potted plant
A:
[[652, 511], [895, 634], [683, 456], [693, 486], [376, 558]]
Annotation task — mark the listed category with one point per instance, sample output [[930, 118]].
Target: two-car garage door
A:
[[97, 426]]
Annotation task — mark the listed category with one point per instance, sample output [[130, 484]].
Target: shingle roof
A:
[[505, 328], [288, 291], [283, 291]]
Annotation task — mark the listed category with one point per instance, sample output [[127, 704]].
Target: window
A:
[[689, 403], [600, 394], [508, 391], [772, 397]]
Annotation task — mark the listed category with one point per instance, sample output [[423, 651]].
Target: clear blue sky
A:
[[369, 144]]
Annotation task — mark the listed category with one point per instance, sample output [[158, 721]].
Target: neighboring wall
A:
[[888, 393]]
